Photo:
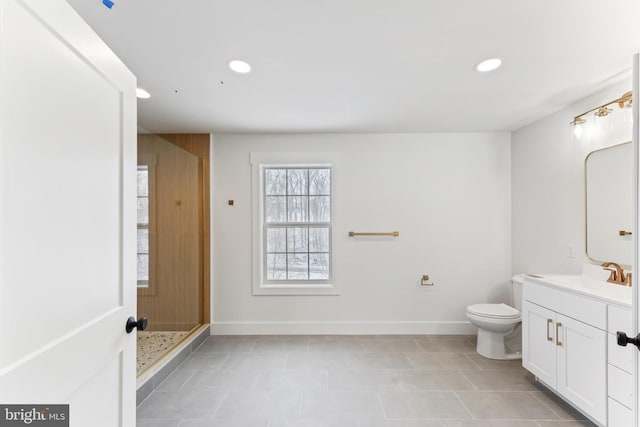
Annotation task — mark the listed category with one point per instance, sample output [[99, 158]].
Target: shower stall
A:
[[173, 242]]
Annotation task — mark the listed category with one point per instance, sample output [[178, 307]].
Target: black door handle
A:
[[141, 324], [623, 340]]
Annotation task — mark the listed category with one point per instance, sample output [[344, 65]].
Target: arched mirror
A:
[[609, 207]]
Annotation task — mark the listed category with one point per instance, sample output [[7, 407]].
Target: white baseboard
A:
[[343, 328]]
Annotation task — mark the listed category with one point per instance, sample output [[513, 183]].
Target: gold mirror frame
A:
[[586, 214]]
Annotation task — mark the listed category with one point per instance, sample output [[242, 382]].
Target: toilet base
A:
[[491, 345]]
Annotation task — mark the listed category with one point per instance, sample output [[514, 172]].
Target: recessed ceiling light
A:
[[488, 65], [141, 93], [239, 66]]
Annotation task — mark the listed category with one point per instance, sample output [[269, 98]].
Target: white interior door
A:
[[67, 216], [636, 229]]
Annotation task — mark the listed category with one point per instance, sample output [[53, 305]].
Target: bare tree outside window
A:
[[297, 222]]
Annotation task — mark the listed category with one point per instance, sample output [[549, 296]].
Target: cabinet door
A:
[[582, 364], [538, 342]]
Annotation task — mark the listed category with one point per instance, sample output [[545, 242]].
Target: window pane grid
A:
[[143, 226], [297, 224]]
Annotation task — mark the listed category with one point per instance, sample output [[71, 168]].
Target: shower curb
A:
[[149, 382]]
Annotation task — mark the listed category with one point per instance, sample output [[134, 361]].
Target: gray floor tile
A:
[[227, 380], [336, 344], [567, 424], [400, 337], [403, 423], [143, 392], [363, 380], [446, 344], [340, 405], [435, 361], [255, 361], [422, 404], [260, 405], [176, 380], [351, 381], [317, 361], [314, 423], [558, 406], [182, 404], [282, 345], [297, 380], [156, 423], [226, 345], [224, 423], [204, 361], [378, 361], [484, 363], [493, 423], [391, 345], [432, 381], [501, 380], [500, 405]]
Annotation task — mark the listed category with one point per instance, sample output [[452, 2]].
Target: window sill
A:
[[324, 289]]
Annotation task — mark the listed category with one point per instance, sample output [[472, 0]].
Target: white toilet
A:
[[497, 321]]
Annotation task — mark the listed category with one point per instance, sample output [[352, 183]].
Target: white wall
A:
[[548, 186], [447, 194]]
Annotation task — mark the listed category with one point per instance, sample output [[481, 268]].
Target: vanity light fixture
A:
[[143, 94], [240, 67], [603, 111], [488, 65], [577, 127], [578, 122]]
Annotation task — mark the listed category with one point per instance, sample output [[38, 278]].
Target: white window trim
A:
[[259, 161]]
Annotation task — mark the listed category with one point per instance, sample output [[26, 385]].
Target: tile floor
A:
[[350, 381]]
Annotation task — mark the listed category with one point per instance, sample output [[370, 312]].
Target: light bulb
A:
[[576, 132], [603, 123], [577, 128], [627, 114]]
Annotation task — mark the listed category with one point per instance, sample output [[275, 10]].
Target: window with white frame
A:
[[293, 218], [296, 225]]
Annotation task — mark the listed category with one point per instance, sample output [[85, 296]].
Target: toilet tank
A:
[[516, 291]]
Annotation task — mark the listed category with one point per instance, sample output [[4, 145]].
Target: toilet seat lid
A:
[[495, 311]]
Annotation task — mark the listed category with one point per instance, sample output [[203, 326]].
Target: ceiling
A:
[[364, 65]]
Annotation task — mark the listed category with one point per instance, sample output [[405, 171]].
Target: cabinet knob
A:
[[623, 340]]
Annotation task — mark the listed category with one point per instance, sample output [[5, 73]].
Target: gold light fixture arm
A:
[[622, 101]]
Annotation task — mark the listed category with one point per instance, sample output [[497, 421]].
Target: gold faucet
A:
[[617, 275]]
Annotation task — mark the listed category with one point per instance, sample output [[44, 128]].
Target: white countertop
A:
[[587, 284]]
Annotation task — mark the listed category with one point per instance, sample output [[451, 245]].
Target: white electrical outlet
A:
[[571, 250]]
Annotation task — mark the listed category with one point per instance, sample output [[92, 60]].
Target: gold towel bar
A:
[[392, 233]]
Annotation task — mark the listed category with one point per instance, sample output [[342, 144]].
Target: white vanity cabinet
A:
[[564, 344]]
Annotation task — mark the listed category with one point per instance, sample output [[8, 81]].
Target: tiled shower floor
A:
[[350, 381], [152, 345]]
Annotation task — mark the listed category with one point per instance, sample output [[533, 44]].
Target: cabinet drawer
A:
[[619, 415], [619, 319], [581, 308], [621, 357], [620, 386]]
